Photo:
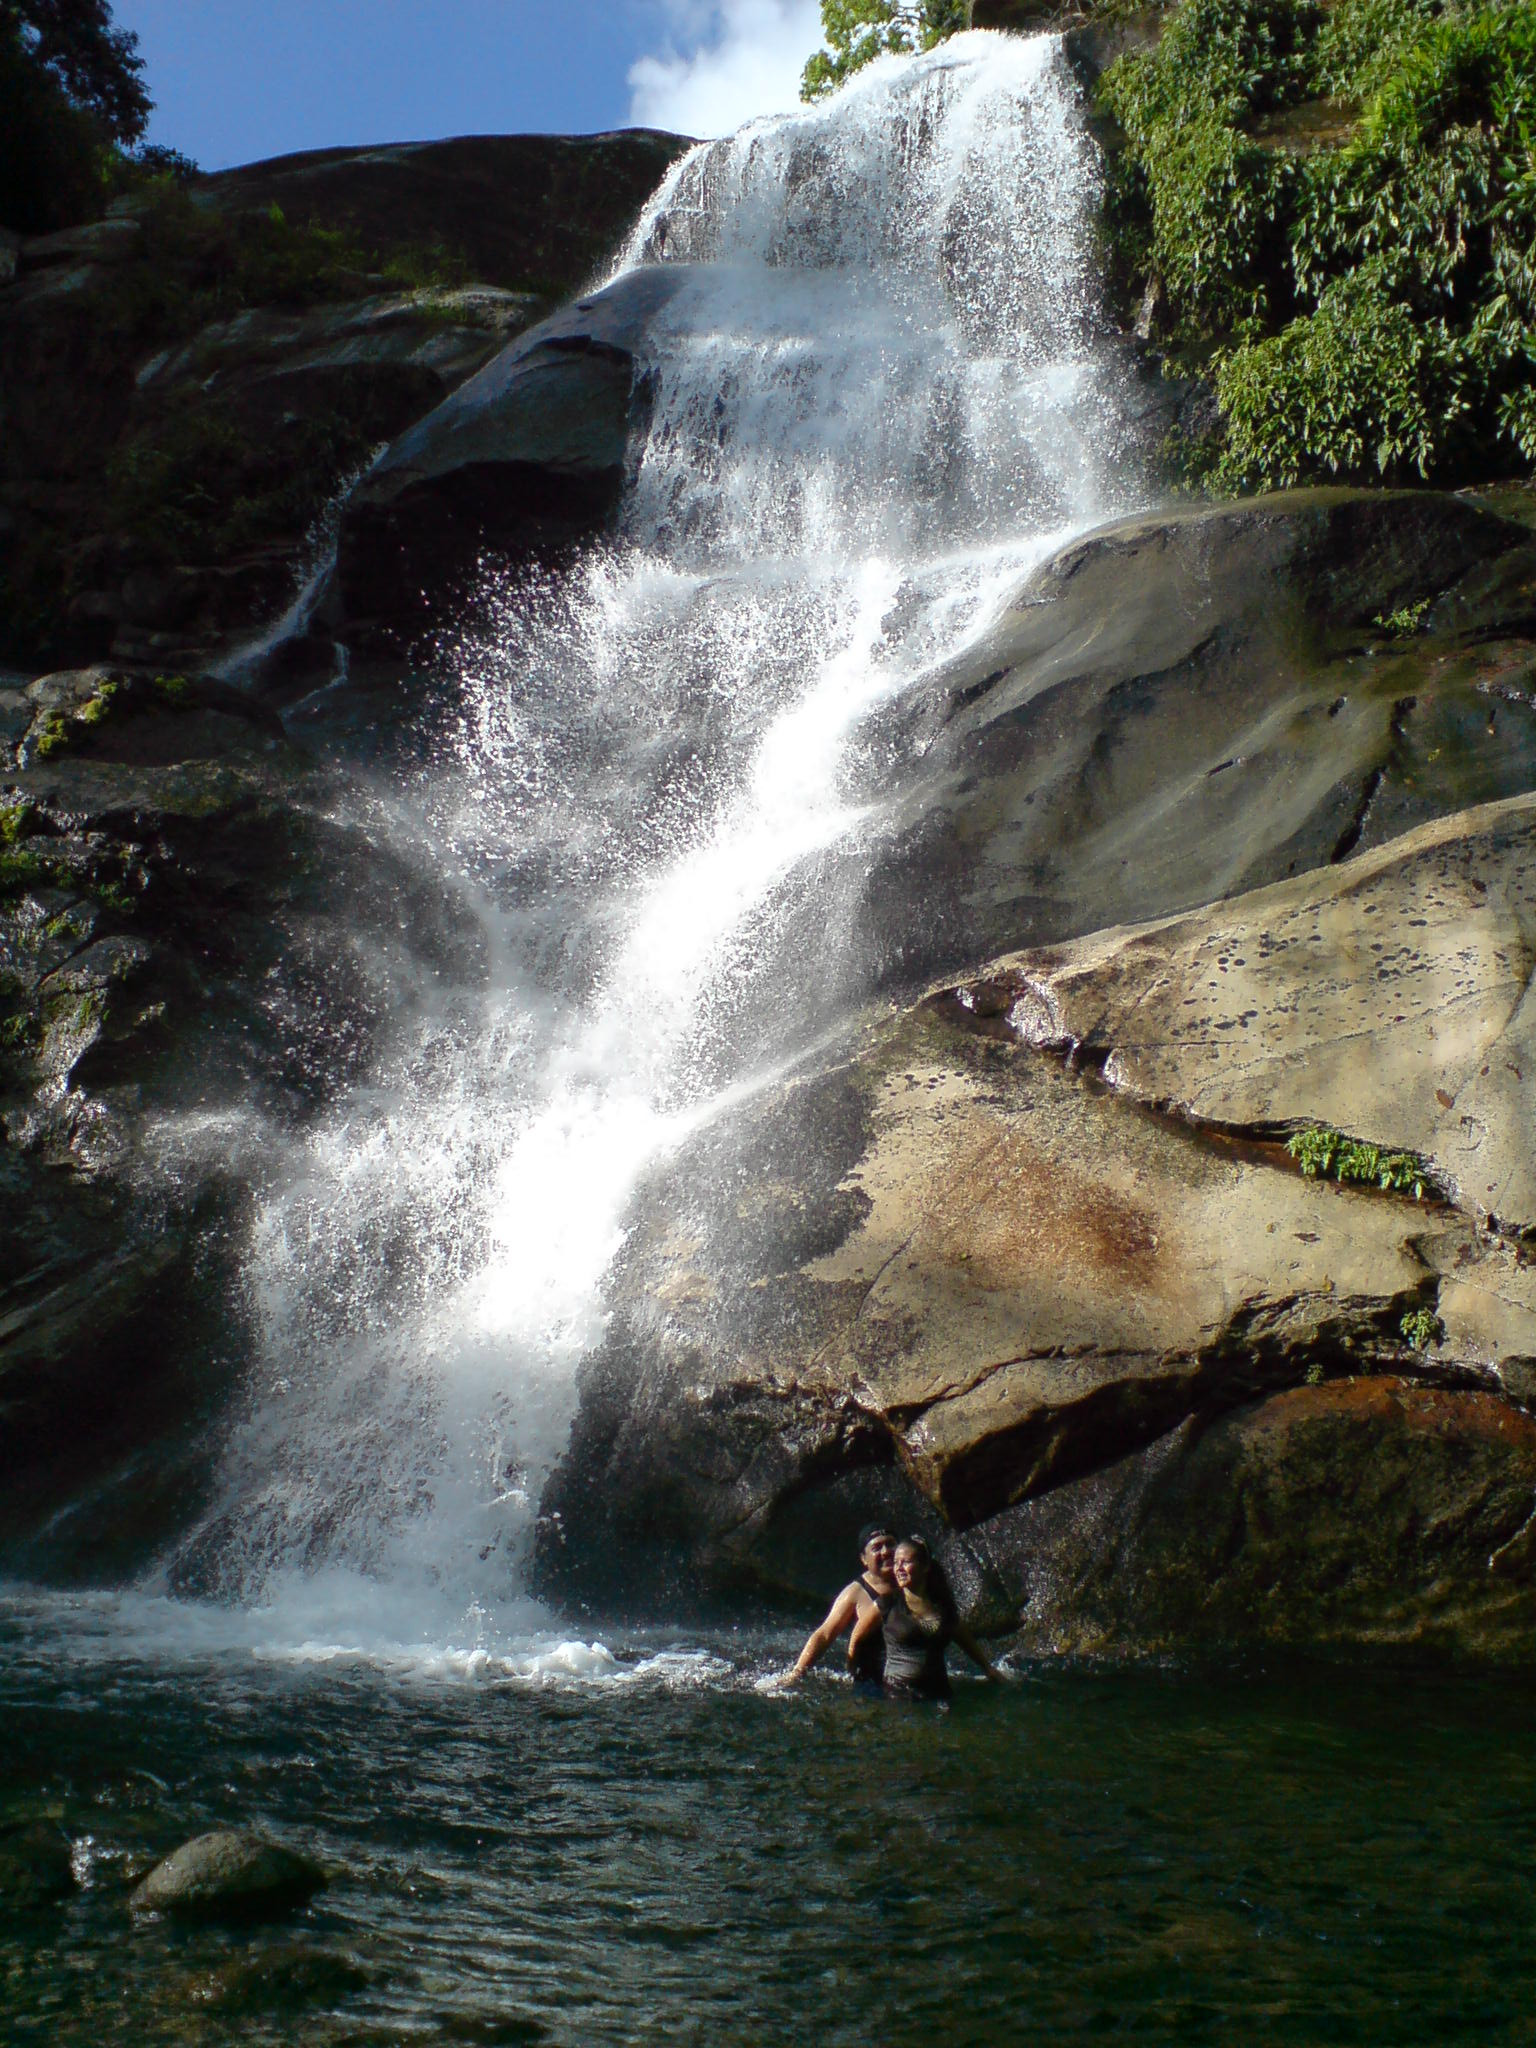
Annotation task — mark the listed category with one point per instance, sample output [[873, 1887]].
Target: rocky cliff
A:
[[185, 385], [1207, 866]]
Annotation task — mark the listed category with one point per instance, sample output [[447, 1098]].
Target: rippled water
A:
[[658, 1849]]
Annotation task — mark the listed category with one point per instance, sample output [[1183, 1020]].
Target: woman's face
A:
[[911, 1570], [877, 1555]]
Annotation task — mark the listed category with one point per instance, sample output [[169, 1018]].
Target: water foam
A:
[[878, 398]]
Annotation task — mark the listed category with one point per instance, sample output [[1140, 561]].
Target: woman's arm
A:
[[842, 1611], [974, 1651]]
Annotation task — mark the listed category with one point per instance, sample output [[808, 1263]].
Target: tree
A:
[[858, 31], [71, 98], [96, 66]]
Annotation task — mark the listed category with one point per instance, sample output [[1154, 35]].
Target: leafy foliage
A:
[[1372, 279], [858, 31], [1405, 621], [1326, 1154], [96, 66]]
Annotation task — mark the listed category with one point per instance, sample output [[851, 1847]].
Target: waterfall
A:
[[880, 394]]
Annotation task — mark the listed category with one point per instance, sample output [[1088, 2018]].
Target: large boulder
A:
[[1181, 706], [528, 455], [955, 1251]]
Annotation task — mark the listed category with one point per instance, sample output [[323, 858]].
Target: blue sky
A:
[[233, 81]]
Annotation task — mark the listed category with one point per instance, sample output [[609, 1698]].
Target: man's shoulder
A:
[[857, 1589]]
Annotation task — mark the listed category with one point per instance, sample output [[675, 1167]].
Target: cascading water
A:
[[880, 394]]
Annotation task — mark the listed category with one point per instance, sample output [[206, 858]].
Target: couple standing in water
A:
[[902, 1617]]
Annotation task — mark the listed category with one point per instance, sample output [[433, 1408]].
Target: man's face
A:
[[878, 1553]]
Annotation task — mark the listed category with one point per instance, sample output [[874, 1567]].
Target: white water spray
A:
[[880, 396]]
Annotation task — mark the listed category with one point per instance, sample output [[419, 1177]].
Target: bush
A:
[[858, 31], [1355, 386], [1382, 292], [1214, 207]]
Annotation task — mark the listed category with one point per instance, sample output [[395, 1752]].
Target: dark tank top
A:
[[914, 1653], [868, 1660]]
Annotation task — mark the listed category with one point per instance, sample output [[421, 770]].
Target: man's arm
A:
[[839, 1616]]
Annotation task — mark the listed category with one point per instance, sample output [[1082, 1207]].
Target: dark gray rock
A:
[[1183, 705], [232, 1874], [529, 454]]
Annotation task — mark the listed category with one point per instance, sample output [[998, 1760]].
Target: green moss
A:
[[173, 688], [99, 707], [15, 822], [52, 738], [1326, 1154], [18, 1031], [20, 869]]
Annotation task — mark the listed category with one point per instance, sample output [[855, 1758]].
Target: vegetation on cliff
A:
[[1338, 208], [858, 31]]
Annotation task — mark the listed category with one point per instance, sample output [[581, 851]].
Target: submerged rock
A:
[[231, 1874], [35, 1864], [287, 1976]]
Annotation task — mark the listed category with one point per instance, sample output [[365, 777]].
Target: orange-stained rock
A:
[[1365, 1511]]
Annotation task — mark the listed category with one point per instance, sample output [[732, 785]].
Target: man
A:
[[873, 1590]]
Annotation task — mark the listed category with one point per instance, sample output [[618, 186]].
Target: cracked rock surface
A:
[[1024, 1256]]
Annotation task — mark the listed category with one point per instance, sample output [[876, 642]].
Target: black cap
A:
[[870, 1531]]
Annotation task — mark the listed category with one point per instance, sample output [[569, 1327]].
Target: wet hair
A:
[[870, 1531], [935, 1585]]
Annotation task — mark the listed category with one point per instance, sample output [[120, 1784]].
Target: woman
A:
[[918, 1626]]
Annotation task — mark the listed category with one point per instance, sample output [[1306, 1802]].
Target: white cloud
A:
[[725, 62]]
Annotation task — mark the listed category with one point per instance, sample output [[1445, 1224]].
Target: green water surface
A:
[[672, 1855]]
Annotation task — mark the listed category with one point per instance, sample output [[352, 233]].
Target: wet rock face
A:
[[528, 456], [178, 983], [1065, 1283]]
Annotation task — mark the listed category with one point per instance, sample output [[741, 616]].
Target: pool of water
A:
[[651, 1846]]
